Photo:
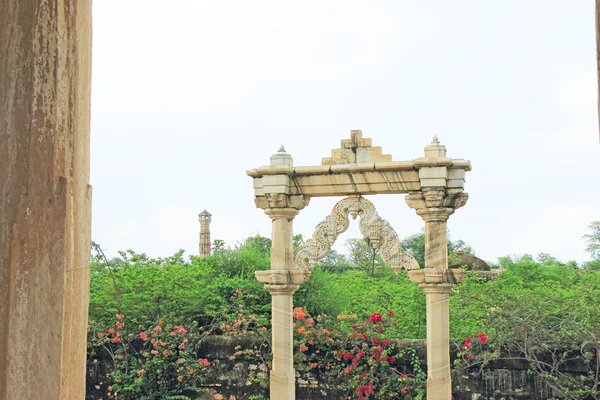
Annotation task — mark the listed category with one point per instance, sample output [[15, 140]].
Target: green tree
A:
[[362, 255], [334, 262], [593, 240], [416, 245]]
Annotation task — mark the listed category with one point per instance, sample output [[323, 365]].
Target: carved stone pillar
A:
[[435, 205], [282, 280]]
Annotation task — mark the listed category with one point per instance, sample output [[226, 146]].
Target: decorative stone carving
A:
[[281, 200], [371, 225], [436, 204], [356, 150]]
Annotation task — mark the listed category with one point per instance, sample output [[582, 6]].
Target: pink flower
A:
[[143, 335], [469, 357], [166, 353], [303, 348], [173, 333], [203, 361], [154, 352], [310, 322], [111, 330]]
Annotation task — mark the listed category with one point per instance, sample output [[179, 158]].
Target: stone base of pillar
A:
[[439, 389], [282, 387]]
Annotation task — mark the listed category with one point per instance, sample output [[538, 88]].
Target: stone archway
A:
[[378, 230], [434, 188]]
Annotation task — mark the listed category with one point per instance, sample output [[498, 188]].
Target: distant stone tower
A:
[[204, 218]]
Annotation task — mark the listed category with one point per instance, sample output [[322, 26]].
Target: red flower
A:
[[392, 359], [376, 317], [467, 343], [366, 337], [376, 341], [347, 356], [386, 342], [364, 391], [469, 357], [390, 313], [482, 337]]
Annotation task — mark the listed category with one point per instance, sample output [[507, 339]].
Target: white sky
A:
[[188, 95]]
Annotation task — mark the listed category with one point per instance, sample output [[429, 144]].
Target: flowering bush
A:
[[154, 363], [365, 360]]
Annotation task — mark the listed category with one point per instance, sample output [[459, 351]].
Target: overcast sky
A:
[[188, 95]]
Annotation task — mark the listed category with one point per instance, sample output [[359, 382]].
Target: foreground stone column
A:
[[45, 64], [441, 192], [436, 280], [282, 280]]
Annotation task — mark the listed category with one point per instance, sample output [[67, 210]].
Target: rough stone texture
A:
[[45, 65]]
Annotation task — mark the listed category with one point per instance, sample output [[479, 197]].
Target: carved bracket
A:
[[379, 231]]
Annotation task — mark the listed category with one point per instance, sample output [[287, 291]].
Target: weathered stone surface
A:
[[45, 62]]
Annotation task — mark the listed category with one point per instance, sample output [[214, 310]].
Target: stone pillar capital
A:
[[281, 205], [282, 213], [427, 277], [436, 203], [282, 282]]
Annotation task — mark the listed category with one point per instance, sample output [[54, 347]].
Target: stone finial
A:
[[282, 158], [435, 149]]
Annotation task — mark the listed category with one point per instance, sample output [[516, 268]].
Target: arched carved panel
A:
[[379, 231]]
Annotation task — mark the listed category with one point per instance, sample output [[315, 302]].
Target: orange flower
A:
[[327, 332], [302, 330]]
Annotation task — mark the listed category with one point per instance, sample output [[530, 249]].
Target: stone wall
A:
[[238, 379]]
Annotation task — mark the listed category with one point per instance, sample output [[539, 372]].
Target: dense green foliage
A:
[[539, 309]]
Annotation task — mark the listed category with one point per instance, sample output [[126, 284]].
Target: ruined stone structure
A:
[[434, 185], [45, 198], [204, 245]]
